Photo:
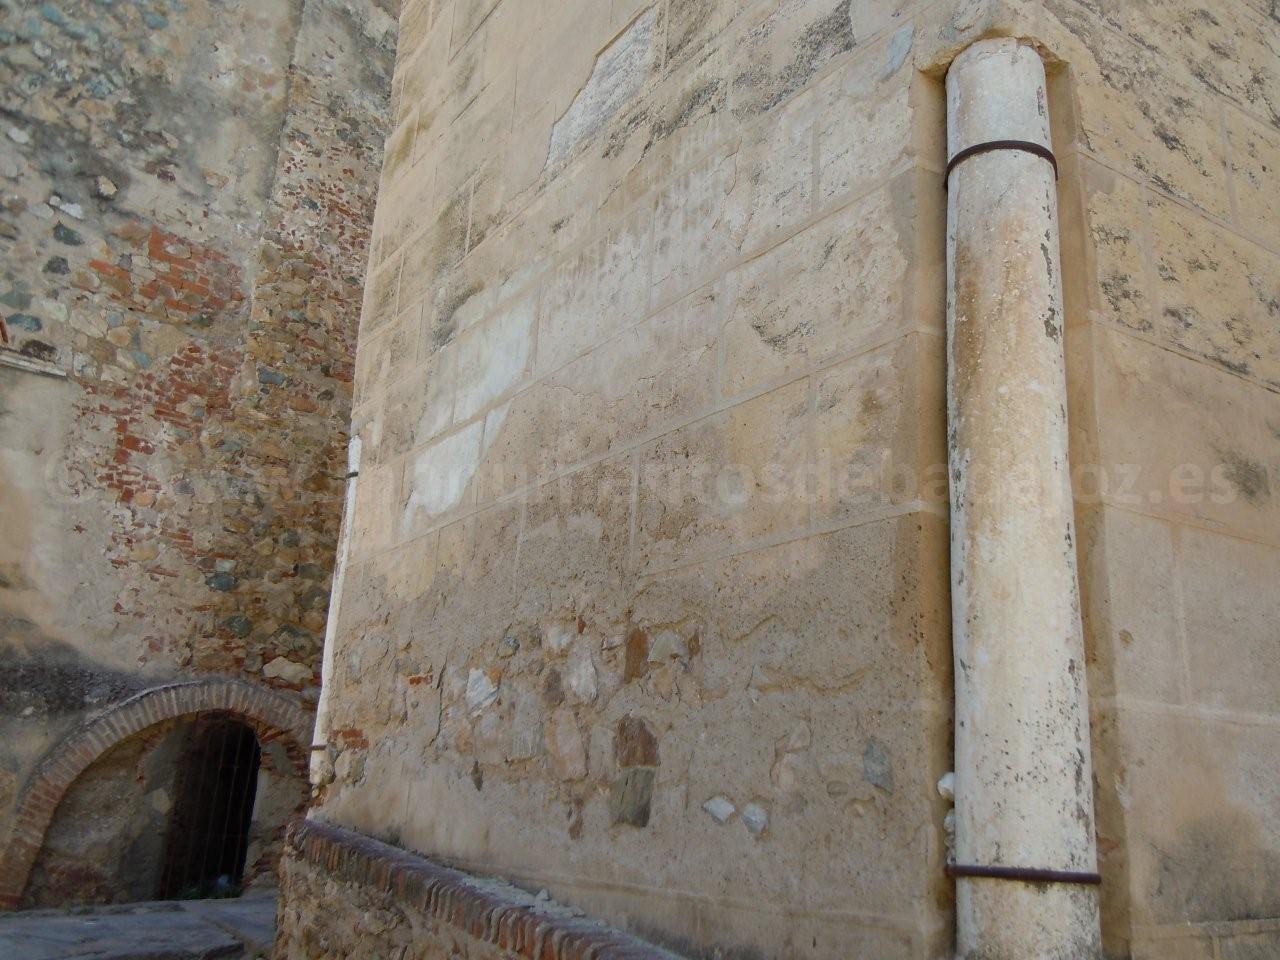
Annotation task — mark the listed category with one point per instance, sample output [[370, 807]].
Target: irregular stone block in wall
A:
[[619, 73], [658, 372], [824, 292], [1255, 160], [593, 295], [1204, 852], [1232, 615], [1138, 646], [1170, 454], [1142, 112], [725, 480], [438, 477], [878, 430], [1219, 295], [783, 52], [494, 357]]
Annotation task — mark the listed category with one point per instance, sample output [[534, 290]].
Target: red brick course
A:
[[270, 713], [475, 908]]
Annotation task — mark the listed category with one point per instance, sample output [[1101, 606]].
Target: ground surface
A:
[[173, 930]]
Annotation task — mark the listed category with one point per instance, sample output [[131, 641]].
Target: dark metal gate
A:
[[217, 779]]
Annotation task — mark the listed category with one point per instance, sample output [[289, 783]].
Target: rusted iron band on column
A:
[[1026, 146], [1026, 874]]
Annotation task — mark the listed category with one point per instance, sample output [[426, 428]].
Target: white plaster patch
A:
[[618, 74], [441, 472], [493, 357]]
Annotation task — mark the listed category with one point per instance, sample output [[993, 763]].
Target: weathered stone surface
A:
[[726, 480], [1167, 455], [669, 272]]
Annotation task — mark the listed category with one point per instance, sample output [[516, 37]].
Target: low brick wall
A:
[[346, 895]]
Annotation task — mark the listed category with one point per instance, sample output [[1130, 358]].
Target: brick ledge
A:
[[487, 910]]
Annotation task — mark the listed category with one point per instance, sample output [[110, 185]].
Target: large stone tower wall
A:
[[640, 607], [647, 599]]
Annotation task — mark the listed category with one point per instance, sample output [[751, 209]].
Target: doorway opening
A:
[[214, 791]]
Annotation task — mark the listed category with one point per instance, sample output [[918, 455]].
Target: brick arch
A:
[[271, 714]]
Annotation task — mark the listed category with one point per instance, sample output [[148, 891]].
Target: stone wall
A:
[[187, 195], [1173, 296], [648, 604], [647, 599]]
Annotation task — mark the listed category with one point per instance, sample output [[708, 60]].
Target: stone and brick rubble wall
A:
[[187, 194]]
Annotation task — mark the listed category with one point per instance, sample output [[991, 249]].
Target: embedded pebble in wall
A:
[[668, 645], [947, 786], [282, 668], [756, 818], [67, 207], [481, 691], [877, 767], [720, 809], [582, 676], [564, 743], [556, 637]]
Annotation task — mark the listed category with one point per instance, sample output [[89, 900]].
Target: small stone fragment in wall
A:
[[19, 136], [582, 676], [64, 234], [564, 743], [104, 188], [552, 688], [66, 206], [556, 637], [668, 645], [720, 809], [508, 646], [288, 670], [631, 797], [526, 727], [877, 767], [756, 818], [947, 786], [481, 690]]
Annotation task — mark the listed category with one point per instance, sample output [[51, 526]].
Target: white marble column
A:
[[1024, 791]]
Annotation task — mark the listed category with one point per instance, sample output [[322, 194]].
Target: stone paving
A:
[[171, 930]]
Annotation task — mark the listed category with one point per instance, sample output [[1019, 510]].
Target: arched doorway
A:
[[280, 727]]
